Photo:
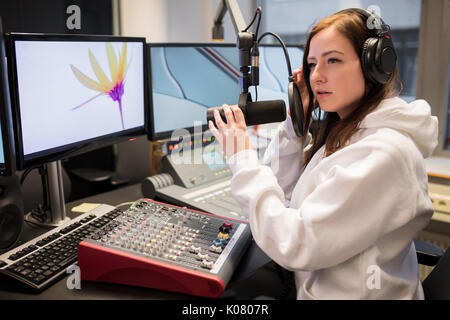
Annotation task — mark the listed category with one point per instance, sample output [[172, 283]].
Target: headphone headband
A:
[[378, 58], [379, 26]]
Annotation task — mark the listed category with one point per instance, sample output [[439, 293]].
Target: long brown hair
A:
[[333, 131]]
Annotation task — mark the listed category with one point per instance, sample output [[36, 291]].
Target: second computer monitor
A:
[[186, 79]]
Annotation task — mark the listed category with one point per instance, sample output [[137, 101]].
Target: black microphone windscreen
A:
[[262, 112]]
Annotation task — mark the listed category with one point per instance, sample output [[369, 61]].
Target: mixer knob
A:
[[201, 256], [213, 248], [195, 249], [207, 264]]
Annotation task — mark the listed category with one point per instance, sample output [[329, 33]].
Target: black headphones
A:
[[296, 107], [378, 58]]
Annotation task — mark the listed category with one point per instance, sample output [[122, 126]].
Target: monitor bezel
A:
[[151, 134], [7, 133], [73, 149]]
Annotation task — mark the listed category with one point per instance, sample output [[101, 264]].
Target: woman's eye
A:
[[311, 65], [333, 60]]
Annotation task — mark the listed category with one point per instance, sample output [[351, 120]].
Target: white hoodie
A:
[[350, 218]]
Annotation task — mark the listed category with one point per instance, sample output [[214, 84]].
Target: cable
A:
[[25, 173], [124, 204], [258, 11], [286, 55], [255, 53], [259, 21]]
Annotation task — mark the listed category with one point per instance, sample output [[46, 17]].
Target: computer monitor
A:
[[187, 78], [75, 93], [72, 94], [6, 139]]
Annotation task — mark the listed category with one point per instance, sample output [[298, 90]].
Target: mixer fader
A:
[[165, 247]]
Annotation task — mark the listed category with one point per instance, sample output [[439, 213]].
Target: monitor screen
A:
[[186, 79], [6, 134], [75, 93]]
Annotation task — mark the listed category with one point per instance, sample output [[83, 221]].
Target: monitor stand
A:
[[53, 191]]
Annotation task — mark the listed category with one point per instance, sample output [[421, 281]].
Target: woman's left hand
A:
[[232, 135]]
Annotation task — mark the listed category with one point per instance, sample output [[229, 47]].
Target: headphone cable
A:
[[286, 55]]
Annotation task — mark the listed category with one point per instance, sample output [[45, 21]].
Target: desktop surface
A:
[[249, 268]]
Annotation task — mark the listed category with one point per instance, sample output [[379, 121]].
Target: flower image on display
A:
[[114, 87]]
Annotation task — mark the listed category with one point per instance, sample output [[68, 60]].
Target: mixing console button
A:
[[227, 225], [195, 249], [200, 256], [207, 264], [213, 248]]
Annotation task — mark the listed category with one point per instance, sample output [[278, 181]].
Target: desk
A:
[[249, 281]]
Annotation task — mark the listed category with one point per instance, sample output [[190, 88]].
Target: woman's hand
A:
[[233, 134], [301, 85]]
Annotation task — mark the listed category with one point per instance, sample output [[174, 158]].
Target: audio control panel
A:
[[163, 246], [197, 166]]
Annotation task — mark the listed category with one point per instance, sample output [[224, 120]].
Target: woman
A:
[[356, 193]]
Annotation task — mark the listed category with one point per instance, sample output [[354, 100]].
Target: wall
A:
[[176, 20]]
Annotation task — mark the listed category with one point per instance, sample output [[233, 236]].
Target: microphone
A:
[[256, 112]]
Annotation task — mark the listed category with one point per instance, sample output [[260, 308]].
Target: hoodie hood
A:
[[413, 118]]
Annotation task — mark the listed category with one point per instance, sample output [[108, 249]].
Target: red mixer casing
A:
[[101, 263]]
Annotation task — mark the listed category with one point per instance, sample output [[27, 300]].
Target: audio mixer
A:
[[156, 245]]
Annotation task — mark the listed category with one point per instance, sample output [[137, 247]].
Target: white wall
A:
[[298, 16], [144, 18], [176, 20]]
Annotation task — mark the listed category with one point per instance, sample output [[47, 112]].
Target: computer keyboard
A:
[[39, 263]]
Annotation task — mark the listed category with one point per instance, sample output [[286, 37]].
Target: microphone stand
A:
[[246, 43]]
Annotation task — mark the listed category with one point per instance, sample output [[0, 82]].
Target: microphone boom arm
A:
[[236, 17], [245, 42]]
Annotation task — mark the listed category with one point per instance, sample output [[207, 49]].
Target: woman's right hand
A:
[[301, 85]]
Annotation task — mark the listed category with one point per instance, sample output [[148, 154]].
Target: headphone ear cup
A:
[[378, 59], [386, 59], [296, 109], [368, 59]]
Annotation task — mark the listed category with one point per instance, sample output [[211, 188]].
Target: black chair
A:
[[436, 285]]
